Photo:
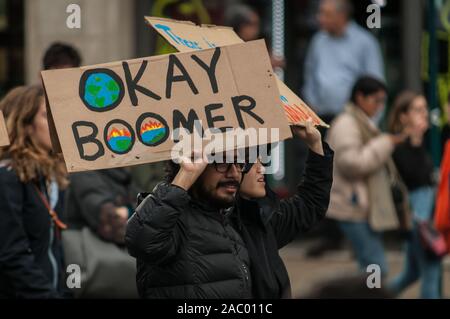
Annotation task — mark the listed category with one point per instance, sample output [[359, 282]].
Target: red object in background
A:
[[442, 213], [432, 239]]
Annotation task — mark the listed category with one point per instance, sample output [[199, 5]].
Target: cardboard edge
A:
[[190, 23], [169, 20], [4, 131], [51, 123]]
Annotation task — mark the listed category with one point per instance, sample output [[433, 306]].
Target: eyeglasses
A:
[[225, 167]]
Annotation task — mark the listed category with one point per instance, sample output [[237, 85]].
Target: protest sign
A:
[[123, 113]]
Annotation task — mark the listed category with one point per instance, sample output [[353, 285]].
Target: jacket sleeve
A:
[[153, 232], [354, 159], [308, 206], [91, 193], [17, 262]]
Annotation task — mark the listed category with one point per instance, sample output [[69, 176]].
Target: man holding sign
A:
[[192, 241]]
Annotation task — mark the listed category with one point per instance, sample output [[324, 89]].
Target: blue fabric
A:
[[53, 193], [422, 202], [333, 64], [367, 245], [418, 265]]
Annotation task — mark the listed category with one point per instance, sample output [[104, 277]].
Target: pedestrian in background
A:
[[31, 179], [409, 116], [361, 188], [98, 206], [339, 54]]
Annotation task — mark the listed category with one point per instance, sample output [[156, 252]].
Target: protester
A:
[[59, 56], [189, 242], [31, 177], [246, 22], [362, 153], [409, 116], [267, 224], [98, 206]]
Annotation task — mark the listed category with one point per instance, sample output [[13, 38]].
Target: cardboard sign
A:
[[4, 139], [186, 36], [123, 113]]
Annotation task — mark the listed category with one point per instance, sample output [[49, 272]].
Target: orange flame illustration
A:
[[150, 125], [115, 133]]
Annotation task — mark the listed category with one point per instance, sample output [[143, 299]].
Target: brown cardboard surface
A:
[[4, 138], [100, 111]]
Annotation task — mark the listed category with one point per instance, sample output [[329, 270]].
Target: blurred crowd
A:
[[383, 180]]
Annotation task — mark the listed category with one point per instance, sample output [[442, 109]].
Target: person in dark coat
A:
[[187, 235], [267, 224], [100, 203], [31, 180], [101, 200]]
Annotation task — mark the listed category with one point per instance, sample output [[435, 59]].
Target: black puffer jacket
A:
[[185, 249], [269, 224]]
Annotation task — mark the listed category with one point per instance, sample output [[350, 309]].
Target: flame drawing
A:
[[150, 125], [116, 133]]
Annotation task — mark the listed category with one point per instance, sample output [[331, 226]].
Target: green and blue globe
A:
[[101, 90]]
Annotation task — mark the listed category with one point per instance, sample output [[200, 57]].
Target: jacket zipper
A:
[[242, 267], [51, 256], [245, 275]]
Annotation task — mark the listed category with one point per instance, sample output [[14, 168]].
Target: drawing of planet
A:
[[153, 132], [119, 139], [102, 90]]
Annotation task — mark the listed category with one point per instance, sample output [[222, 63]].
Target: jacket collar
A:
[[220, 214]]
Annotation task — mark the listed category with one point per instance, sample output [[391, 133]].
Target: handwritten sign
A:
[[186, 36], [123, 113], [4, 139]]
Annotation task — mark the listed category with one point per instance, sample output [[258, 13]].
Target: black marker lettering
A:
[[91, 138], [133, 86]]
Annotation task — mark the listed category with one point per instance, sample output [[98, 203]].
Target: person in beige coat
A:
[[360, 197]]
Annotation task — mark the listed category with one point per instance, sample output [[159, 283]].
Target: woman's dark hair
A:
[[367, 85]]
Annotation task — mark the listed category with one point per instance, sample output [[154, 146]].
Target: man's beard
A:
[[210, 197]]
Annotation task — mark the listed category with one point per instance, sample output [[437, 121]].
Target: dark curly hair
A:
[[61, 54]]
